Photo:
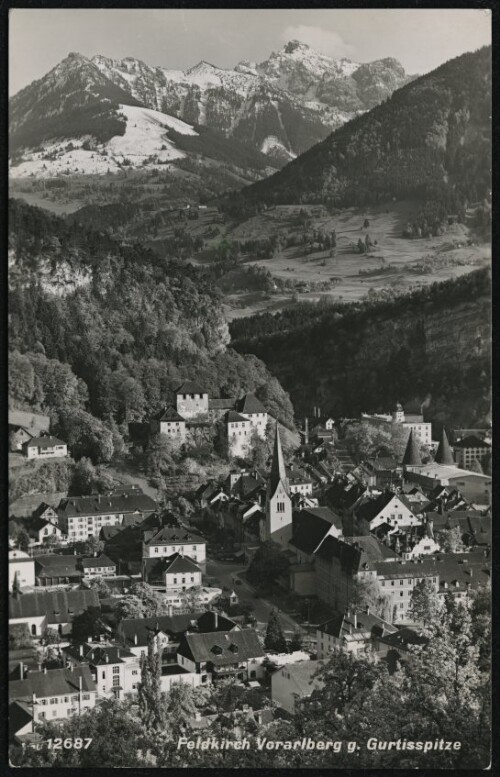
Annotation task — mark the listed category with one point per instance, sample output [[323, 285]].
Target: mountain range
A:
[[280, 107], [430, 140]]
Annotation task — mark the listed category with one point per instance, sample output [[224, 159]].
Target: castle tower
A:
[[411, 457], [443, 453], [278, 522], [398, 415]]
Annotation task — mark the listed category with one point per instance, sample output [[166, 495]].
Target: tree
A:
[[23, 540], [425, 606], [19, 636], [93, 546], [83, 478], [151, 698], [275, 639], [364, 440], [159, 458], [88, 624], [450, 540], [297, 641], [85, 436], [368, 594], [476, 466], [268, 563]]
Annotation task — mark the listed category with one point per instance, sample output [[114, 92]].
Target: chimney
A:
[[81, 651], [306, 430], [355, 620], [118, 653], [170, 610], [106, 658], [135, 639], [80, 683], [216, 619], [45, 669], [21, 670], [367, 610]]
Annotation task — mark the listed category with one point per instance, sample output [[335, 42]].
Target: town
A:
[[270, 569]]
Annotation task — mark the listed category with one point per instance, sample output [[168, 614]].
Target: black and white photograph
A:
[[249, 388]]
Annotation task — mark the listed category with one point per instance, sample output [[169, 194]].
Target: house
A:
[[173, 574], [170, 423], [396, 646], [277, 525], [299, 481], [114, 669], [50, 609], [310, 528], [350, 631], [57, 570], [469, 449], [293, 682], [24, 426], [381, 471], [44, 447], [339, 563], [42, 530], [28, 506], [250, 407], [217, 655], [390, 508], [191, 400], [413, 422], [475, 528], [81, 517], [239, 434], [170, 539], [21, 569], [475, 488], [98, 566], [55, 694]]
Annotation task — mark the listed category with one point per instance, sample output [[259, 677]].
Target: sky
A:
[[421, 39]]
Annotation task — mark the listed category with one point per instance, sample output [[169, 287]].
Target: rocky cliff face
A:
[[281, 106]]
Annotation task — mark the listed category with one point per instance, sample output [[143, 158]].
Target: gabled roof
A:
[[57, 566], [53, 682], [46, 441], [168, 414], [102, 505], [190, 387], [472, 441], [97, 654], [173, 625], [444, 453], [402, 639], [373, 507], [157, 567], [58, 606], [348, 624], [234, 417], [221, 647], [250, 405], [19, 715], [411, 456], [25, 506], [97, 561], [308, 531], [212, 621], [168, 535]]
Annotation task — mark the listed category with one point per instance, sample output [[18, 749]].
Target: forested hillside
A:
[[101, 332], [430, 140], [432, 345]]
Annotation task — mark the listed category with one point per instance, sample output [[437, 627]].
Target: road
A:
[[224, 571]]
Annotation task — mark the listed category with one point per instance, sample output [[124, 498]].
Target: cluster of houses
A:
[[383, 523], [242, 419], [29, 434]]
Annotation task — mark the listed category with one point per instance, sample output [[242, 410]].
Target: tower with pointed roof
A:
[[411, 456], [398, 414], [444, 454], [278, 518]]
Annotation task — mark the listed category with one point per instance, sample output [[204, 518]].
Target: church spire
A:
[[443, 453], [278, 470], [412, 453]]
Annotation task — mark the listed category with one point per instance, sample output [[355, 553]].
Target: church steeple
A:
[[412, 453], [278, 469], [443, 453]]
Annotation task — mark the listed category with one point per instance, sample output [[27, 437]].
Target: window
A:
[[66, 699], [135, 672], [86, 697], [116, 670], [402, 593], [54, 713], [116, 681], [41, 715], [156, 549], [53, 701], [280, 507], [401, 582], [103, 674], [74, 698]]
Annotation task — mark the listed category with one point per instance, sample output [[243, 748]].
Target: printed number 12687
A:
[[68, 744]]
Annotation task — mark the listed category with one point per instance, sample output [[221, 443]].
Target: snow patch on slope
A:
[[145, 139]]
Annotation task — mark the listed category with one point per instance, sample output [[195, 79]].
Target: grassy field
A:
[[393, 263]]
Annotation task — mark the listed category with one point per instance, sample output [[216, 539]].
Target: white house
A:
[[98, 566], [55, 694], [170, 423], [222, 655], [174, 539], [172, 574], [191, 400], [250, 407], [239, 434], [45, 447], [115, 670], [21, 569], [390, 508]]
